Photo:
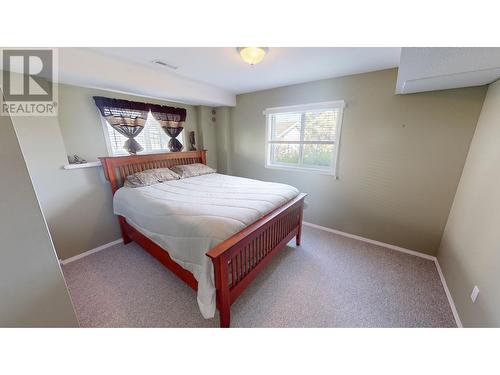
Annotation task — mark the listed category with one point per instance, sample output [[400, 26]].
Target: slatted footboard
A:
[[238, 260]]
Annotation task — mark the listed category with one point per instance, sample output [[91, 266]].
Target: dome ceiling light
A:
[[252, 55]]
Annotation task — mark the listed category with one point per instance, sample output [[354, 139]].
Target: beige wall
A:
[[78, 203], [223, 135], [469, 253], [401, 156], [206, 138], [32, 288], [62, 193]]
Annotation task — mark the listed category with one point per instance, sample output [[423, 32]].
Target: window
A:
[[304, 137], [152, 138]]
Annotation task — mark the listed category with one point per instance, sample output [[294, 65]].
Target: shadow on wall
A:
[[76, 230]]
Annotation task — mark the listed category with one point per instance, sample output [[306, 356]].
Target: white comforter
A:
[[190, 216]]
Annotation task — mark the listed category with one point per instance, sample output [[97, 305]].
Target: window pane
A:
[[304, 137], [285, 126], [153, 135], [141, 138], [285, 154], [320, 126], [117, 140], [317, 155]]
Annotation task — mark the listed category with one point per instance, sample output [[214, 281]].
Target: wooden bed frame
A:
[[237, 260]]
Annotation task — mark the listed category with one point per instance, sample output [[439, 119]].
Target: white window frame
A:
[[333, 170], [109, 147]]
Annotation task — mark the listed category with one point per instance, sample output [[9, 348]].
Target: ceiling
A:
[[87, 68], [214, 76], [223, 67], [430, 69]]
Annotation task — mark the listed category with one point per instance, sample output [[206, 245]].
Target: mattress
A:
[[190, 216]]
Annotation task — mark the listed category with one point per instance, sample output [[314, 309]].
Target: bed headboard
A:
[[116, 168]]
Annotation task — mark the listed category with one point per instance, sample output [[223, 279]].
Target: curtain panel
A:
[[168, 116], [129, 118]]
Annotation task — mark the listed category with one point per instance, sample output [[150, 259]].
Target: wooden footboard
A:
[[238, 260]]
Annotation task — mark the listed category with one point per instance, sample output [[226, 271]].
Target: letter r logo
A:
[[27, 75]]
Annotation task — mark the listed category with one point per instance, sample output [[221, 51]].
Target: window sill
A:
[[306, 170], [91, 164], [162, 151]]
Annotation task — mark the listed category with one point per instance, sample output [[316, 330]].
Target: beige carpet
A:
[[329, 281]]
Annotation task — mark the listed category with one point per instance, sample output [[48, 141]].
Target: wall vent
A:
[[163, 64]]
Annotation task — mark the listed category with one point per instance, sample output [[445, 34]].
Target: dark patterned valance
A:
[[125, 112], [122, 112]]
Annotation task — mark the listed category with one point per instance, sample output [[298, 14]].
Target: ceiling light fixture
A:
[[252, 55]]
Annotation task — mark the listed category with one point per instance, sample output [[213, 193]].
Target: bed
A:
[[215, 232]]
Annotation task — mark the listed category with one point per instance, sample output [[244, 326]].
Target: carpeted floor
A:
[[329, 281]]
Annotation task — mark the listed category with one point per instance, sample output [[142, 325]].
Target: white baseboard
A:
[[448, 295], [403, 250], [83, 255], [374, 242]]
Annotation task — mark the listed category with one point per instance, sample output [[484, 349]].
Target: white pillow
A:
[[150, 177], [192, 170]]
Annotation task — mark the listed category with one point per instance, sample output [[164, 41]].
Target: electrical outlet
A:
[[474, 294]]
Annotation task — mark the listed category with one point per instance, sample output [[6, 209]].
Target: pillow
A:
[[132, 181], [166, 174], [192, 170], [150, 177]]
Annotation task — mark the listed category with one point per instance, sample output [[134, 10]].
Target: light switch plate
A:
[[474, 293]]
